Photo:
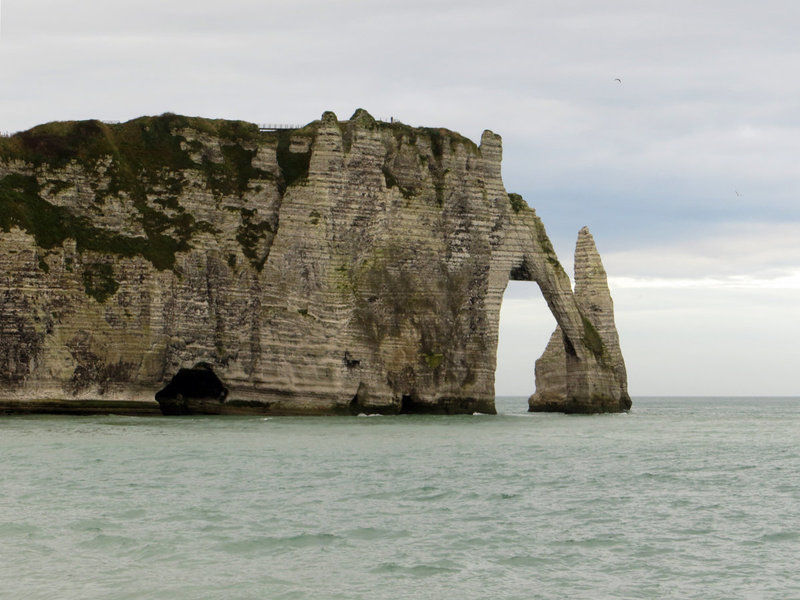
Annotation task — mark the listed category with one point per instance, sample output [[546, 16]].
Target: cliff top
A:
[[150, 141], [137, 161]]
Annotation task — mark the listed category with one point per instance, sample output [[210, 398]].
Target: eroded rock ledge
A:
[[344, 267]]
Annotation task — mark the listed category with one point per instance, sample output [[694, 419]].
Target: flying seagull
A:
[[618, 79]]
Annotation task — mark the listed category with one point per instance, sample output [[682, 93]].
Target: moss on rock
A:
[[517, 203], [99, 282]]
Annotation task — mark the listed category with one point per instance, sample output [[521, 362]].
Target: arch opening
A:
[[525, 327]]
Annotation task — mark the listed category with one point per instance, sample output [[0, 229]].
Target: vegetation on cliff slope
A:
[[143, 160], [22, 205]]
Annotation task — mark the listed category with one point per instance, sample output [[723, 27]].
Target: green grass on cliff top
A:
[[146, 142]]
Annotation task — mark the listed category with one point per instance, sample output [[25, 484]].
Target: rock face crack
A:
[[344, 267]]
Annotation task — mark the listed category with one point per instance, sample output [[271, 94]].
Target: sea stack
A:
[[337, 268], [554, 377]]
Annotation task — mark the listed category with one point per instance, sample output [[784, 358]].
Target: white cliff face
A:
[[344, 267], [594, 300]]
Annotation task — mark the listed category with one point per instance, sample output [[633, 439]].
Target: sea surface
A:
[[680, 498]]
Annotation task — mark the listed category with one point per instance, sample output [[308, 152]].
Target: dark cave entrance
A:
[[199, 382], [406, 405]]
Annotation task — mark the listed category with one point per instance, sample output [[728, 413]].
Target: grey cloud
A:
[[706, 105]]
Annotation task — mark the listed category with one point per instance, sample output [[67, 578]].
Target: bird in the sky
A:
[[618, 79]]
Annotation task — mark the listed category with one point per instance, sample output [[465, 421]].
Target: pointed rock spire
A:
[[594, 300], [597, 308]]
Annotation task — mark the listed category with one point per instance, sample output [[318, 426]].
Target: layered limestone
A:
[[344, 267], [553, 369]]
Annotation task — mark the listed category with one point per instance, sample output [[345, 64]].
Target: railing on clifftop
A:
[[277, 126], [284, 126]]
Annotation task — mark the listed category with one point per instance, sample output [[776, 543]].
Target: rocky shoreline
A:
[[80, 407]]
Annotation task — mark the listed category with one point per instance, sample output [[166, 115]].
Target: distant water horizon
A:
[[513, 398], [682, 497]]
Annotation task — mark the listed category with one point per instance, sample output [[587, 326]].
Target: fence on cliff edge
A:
[[285, 126], [261, 126], [277, 126]]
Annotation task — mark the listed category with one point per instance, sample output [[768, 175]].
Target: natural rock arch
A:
[[559, 364], [582, 369]]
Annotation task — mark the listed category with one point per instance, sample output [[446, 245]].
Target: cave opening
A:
[[526, 325], [199, 382], [406, 405]]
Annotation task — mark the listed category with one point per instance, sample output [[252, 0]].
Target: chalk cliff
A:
[[343, 267]]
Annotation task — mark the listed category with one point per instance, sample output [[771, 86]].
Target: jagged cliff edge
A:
[[344, 267]]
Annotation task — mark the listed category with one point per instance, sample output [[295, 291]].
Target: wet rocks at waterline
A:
[[337, 268]]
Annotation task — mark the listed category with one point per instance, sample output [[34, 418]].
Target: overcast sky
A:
[[686, 172]]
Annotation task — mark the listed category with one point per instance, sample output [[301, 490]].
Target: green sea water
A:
[[680, 498]]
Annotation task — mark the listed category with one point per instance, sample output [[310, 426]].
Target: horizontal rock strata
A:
[[344, 267]]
